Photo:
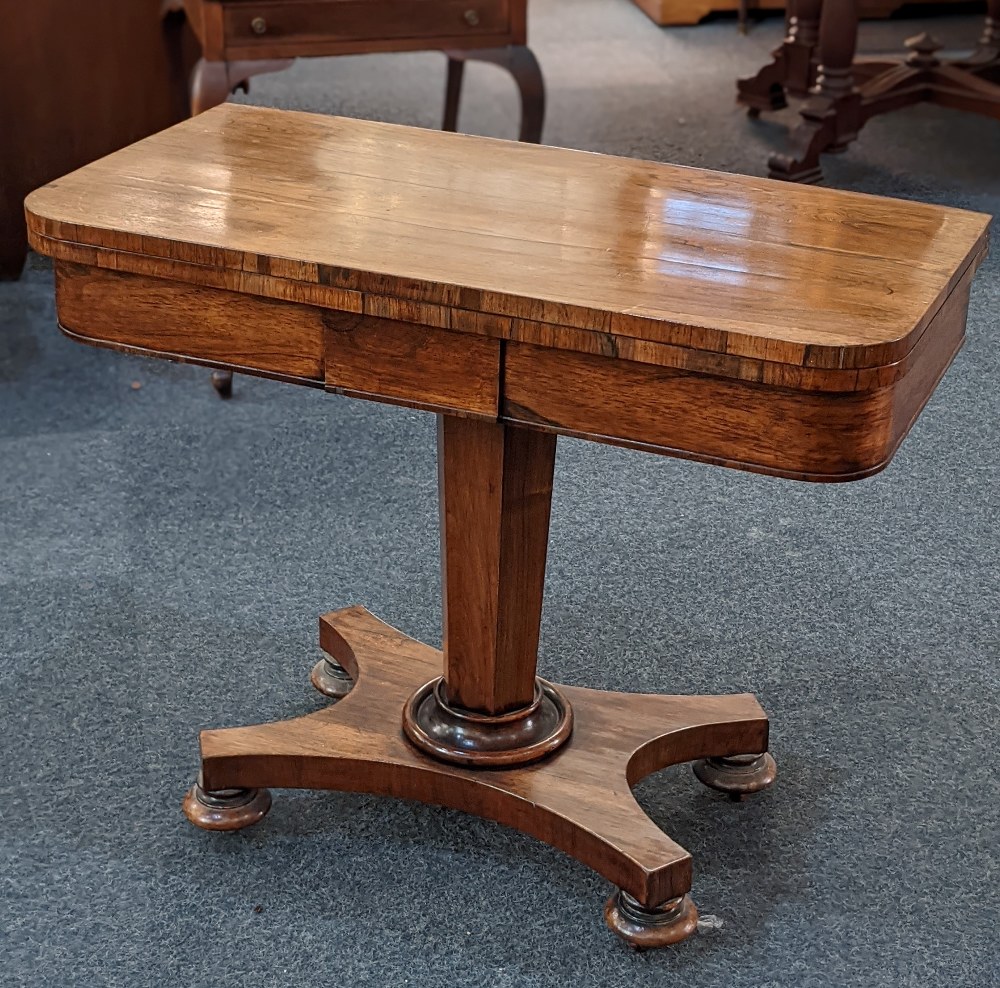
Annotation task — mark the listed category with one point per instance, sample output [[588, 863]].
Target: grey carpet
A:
[[163, 557]]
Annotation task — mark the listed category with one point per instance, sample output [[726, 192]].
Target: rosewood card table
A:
[[521, 293]]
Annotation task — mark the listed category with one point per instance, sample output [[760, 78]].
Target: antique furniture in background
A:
[[817, 61], [243, 38], [520, 293], [677, 12], [79, 80]]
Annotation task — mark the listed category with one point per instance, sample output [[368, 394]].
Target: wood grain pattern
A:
[[536, 291], [499, 327], [191, 323], [418, 366], [826, 436], [765, 422], [678, 256], [577, 800], [817, 436], [493, 570]]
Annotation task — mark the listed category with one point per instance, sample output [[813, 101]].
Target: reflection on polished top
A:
[[699, 259]]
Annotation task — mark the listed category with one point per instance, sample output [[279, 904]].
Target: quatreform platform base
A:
[[578, 799], [520, 293]]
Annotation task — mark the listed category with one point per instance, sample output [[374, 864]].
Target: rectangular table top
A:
[[658, 253]]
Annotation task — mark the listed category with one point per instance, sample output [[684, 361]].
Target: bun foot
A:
[[738, 775], [331, 679], [222, 381], [225, 809], [644, 928]]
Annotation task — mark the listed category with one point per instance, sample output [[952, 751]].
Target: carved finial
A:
[[922, 49]]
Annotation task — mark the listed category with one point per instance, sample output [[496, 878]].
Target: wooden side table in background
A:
[[242, 38]]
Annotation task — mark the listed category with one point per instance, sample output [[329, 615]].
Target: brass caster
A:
[[645, 929], [331, 679], [222, 381], [738, 775], [225, 809]]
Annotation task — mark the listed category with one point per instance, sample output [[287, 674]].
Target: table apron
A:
[[802, 434]]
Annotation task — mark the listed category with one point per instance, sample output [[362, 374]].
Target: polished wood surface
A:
[[491, 640], [803, 434], [495, 489], [621, 248], [520, 293], [778, 424], [241, 39]]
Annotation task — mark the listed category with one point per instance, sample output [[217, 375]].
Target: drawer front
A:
[[806, 435], [309, 22], [406, 364]]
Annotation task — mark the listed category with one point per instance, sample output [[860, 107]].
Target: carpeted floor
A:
[[163, 557]]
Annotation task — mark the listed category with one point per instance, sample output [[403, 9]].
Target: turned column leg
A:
[[489, 708], [793, 69], [831, 117], [520, 62], [838, 42], [991, 29], [987, 53], [803, 53]]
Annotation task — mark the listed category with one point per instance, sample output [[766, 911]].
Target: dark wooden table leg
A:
[[985, 60], [453, 91], [793, 69], [988, 49], [831, 117], [520, 62]]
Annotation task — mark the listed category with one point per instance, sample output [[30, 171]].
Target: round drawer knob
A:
[[258, 25], [471, 18]]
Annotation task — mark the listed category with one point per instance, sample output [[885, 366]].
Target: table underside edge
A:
[[778, 430]]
